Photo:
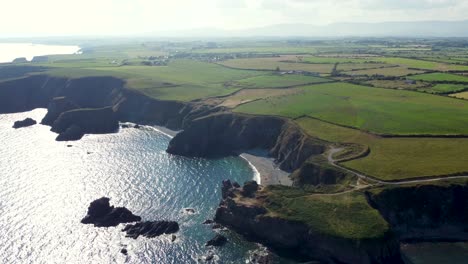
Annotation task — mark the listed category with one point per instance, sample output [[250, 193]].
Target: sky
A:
[[124, 17]]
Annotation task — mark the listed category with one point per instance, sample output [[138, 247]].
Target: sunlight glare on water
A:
[[46, 187]]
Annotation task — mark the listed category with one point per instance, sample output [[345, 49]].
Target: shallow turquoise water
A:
[[46, 187]]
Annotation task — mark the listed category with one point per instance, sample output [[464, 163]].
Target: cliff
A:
[[223, 134], [425, 212], [217, 132], [73, 124], [298, 238]]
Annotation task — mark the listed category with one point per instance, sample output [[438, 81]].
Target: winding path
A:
[[372, 180]]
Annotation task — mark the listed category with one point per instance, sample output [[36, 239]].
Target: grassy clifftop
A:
[[345, 215]]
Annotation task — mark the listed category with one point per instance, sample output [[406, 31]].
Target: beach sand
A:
[[265, 170]]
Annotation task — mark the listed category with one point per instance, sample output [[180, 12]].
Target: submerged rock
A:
[[208, 222], [189, 210], [217, 241], [151, 229], [24, 123], [101, 214], [217, 226]]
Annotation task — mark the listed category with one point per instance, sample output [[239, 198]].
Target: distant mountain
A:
[[385, 29]]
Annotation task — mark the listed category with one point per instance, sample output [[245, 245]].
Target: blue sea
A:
[[46, 187]]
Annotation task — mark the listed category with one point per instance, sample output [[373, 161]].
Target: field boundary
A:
[[385, 135]]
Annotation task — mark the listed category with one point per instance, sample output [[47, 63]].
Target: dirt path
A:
[[374, 181]]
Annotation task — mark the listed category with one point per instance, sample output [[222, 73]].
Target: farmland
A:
[[440, 77], [340, 92], [404, 112], [279, 81], [388, 71], [428, 156]]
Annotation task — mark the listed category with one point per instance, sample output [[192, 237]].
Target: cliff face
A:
[[224, 134], [295, 238], [73, 124], [426, 212], [208, 131]]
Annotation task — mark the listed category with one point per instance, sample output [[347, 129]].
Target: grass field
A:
[[347, 215], [279, 81], [248, 95], [341, 60], [389, 71], [361, 66], [440, 77], [183, 80], [363, 107], [398, 84], [444, 88], [422, 64], [396, 158], [260, 50], [274, 62]]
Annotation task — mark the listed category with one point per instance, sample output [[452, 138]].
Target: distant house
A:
[[410, 82]]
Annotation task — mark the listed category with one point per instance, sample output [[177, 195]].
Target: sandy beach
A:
[[266, 172]]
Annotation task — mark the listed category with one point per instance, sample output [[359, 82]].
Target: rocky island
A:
[[24, 123], [102, 214]]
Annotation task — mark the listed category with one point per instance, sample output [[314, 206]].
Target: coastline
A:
[[266, 172], [266, 168]]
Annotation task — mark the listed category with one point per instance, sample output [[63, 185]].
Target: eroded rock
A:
[[151, 229], [24, 123], [101, 214]]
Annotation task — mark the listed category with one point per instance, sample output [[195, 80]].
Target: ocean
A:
[[11, 51], [46, 187]]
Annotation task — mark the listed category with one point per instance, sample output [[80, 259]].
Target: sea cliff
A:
[[217, 131], [257, 220]]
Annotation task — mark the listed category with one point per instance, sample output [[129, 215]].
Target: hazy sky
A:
[[116, 17]]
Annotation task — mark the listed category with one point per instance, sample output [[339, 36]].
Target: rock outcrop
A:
[[20, 60], [217, 241], [24, 123], [297, 239], [56, 107], [101, 214], [151, 229], [72, 125]]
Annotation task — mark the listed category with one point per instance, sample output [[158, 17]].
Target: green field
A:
[[444, 88], [404, 112], [279, 81], [343, 60], [181, 80], [396, 158], [389, 71], [422, 64], [440, 77], [345, 215], [272, 63]]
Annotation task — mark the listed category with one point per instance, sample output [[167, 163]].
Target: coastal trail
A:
[[374, 181]]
